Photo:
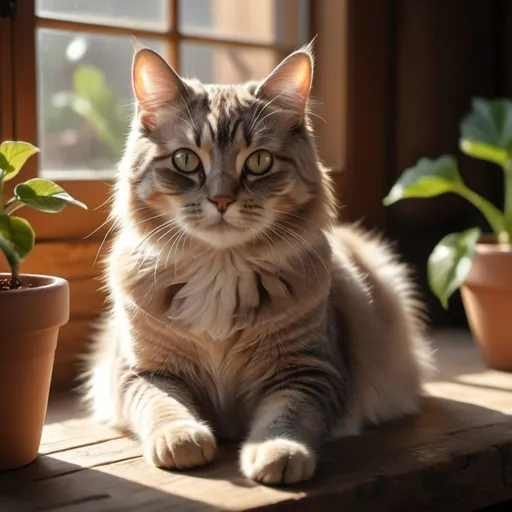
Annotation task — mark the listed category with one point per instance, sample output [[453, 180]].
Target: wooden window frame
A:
[[76, 223]]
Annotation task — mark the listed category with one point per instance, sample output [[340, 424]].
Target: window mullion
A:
[[24, 78]]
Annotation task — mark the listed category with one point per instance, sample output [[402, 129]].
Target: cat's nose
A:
[[222, 202]]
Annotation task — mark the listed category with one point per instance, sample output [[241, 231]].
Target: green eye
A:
[[259, 162], [186, 160]]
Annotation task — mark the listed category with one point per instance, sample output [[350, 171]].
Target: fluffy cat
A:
[[237, 308]]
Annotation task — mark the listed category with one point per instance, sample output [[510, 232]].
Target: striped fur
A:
[[265, 323]]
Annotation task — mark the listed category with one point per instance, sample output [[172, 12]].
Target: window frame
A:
[[19, 46]]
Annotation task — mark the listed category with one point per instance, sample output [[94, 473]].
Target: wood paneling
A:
[[368, 93], [74, 340], [6, 92]]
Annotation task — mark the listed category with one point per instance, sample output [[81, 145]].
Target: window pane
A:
[[144, 14], [267, 21], [84, 101], [225, 65]]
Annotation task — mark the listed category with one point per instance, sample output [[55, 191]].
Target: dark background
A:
[[428, 59]]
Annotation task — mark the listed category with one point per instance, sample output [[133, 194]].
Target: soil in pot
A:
[[30, 317], [487, 297]]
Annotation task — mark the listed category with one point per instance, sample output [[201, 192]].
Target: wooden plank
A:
[[435, 475], [68, 425], [86, 298], [69, 260], [74, 339]]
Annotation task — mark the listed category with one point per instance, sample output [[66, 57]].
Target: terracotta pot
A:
[[487, 297], [29, 325]]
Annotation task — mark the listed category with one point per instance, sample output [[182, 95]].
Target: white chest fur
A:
[[219, 288]]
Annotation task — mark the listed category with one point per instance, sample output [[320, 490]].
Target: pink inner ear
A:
[[155, 84], [289, 84]]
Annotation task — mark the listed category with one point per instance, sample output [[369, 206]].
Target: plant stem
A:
[[12, 260], [507, 169], [494, 217], [1, 191], [14, 206]]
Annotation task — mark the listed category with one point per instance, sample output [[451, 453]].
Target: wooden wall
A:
[[430, 58]]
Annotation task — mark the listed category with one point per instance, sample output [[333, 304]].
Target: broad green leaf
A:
[[490, 122], [450, 262], [13, 156], [19, 233], [484, 151], [44, 195], [428, 178]]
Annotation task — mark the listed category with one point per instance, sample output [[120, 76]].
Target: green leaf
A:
[[19, 233], [450, 263], [99, 104], [44, 195], [489, 122], [484, 151], [89, 81], [13, 156], [428, 178]]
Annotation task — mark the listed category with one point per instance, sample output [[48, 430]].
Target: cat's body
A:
[[252, 318]]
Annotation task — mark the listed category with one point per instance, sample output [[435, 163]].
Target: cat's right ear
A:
[[155, 84]]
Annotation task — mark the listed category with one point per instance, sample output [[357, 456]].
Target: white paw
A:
[[180, 445], [277, 461]]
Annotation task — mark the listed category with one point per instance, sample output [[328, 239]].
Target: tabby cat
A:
[[238, 309]]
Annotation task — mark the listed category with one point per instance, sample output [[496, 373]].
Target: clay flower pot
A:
[[487, 297], [30, 318]]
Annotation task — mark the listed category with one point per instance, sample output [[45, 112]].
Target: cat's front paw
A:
[[180, 445], [277, 461]]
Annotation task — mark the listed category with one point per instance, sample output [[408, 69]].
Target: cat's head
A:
[[227, 164]]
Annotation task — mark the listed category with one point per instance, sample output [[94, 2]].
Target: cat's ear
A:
[[155, 84], [288, 86]]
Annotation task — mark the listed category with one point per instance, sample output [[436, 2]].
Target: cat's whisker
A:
[[173, 237], [169, 252]]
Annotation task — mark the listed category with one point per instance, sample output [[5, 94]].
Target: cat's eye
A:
[[259, 162], [186, 160]]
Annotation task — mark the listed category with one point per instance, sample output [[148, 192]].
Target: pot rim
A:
[[31, 309], [46, 282], [488, 243]]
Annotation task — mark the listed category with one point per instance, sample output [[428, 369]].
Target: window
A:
[[70, 94]]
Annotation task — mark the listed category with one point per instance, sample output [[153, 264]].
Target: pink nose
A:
[[222, 202]]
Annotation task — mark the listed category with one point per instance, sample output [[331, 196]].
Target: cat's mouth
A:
[[222, 225]]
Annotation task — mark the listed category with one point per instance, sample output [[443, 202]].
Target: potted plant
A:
[[481, 264], [32, 308]]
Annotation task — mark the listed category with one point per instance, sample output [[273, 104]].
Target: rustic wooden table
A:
[[456, 455]]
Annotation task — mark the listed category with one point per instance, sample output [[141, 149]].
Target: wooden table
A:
[[456, 455]]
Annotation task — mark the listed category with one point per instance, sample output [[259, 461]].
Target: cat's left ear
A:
[[289, 85], [155, 84]]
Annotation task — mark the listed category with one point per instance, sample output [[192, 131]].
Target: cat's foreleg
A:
[[288, 428], [162, 414]]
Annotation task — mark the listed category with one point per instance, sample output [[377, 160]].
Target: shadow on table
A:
[[79, 489]]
